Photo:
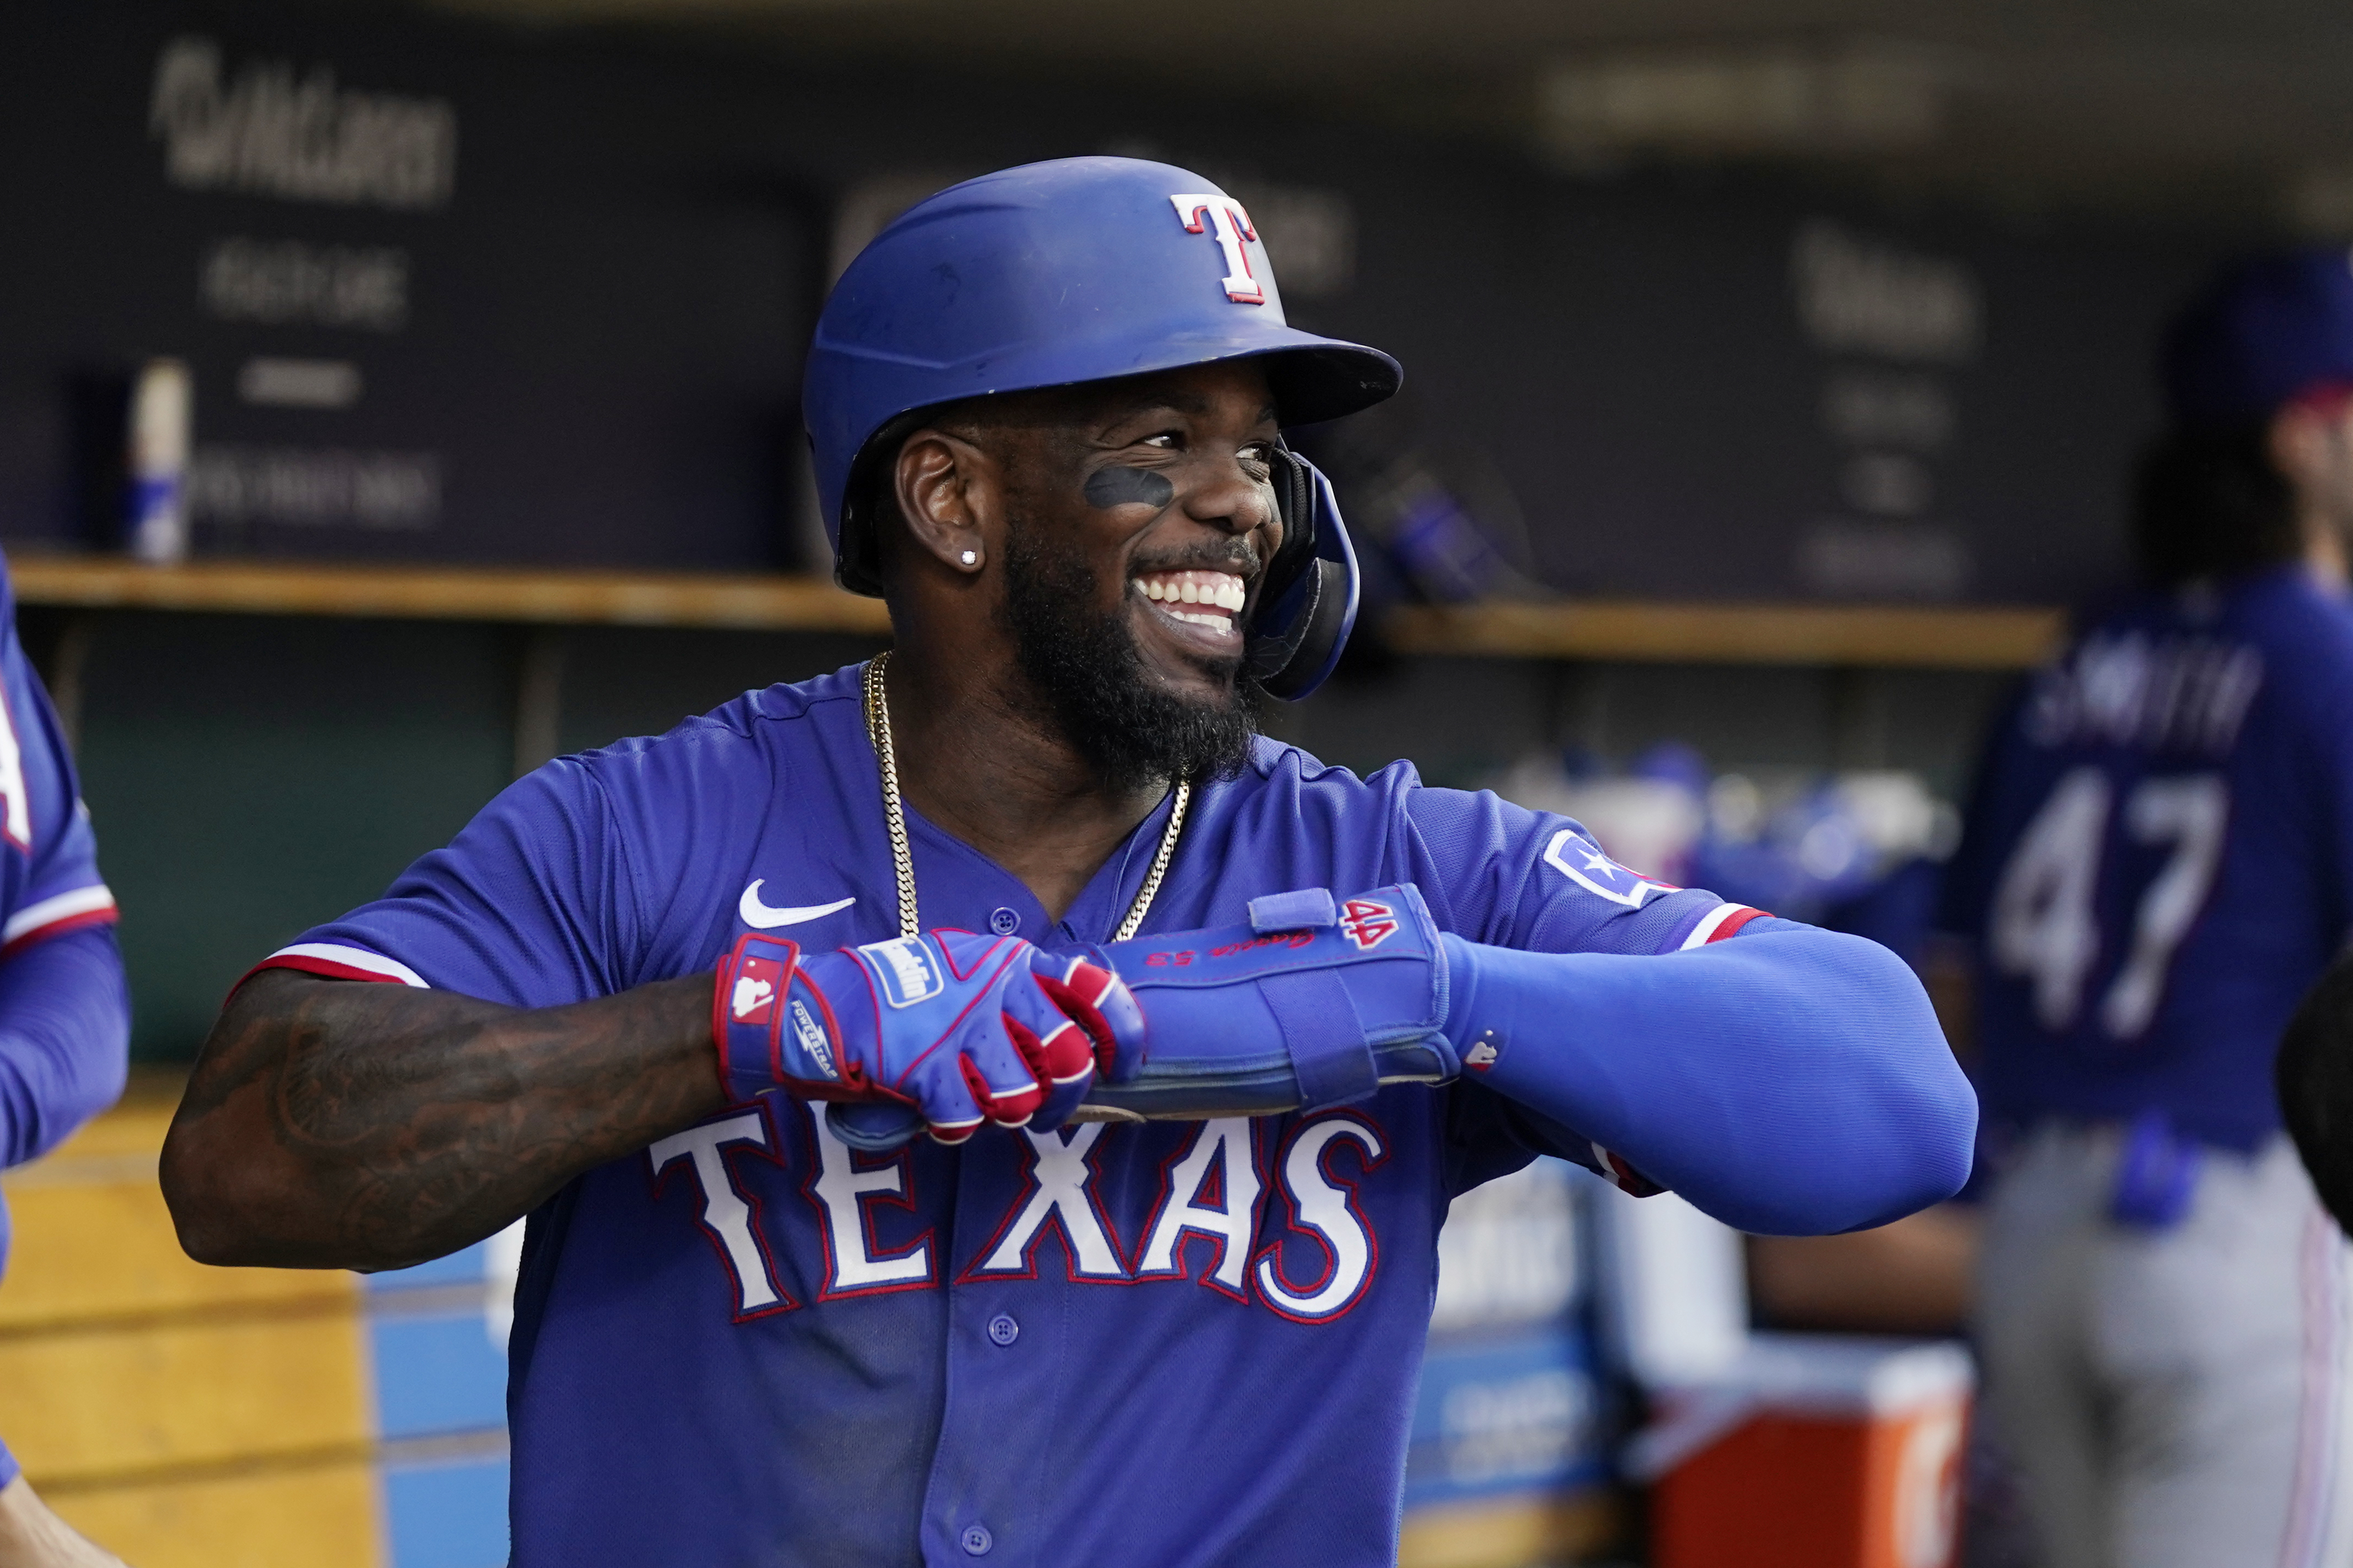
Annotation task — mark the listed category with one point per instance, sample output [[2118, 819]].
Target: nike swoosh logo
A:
[[762, 917]]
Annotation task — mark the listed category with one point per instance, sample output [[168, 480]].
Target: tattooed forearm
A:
[[330, 1124]]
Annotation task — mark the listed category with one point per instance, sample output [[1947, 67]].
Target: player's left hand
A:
[[948, 1029]]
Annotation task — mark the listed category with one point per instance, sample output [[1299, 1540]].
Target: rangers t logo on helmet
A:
[[1231, 226]]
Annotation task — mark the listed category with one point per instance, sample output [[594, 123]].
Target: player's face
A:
[[2336, 478], [1138, 518], [1161, 487], [2311, 442]]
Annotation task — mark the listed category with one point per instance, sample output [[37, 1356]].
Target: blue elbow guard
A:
[[1315, 1003]]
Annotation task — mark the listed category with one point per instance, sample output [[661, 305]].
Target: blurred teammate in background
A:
[[2159, 862], [64, 1018]]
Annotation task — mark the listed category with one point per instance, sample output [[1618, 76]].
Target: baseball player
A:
[[2158, 863], [987, 1103], [65, 1016]]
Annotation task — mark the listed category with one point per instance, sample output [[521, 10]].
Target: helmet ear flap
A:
[[1307, 599], [870, 501], [1294, 500]]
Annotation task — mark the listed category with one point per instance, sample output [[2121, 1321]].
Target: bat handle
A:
[[873, 1127]]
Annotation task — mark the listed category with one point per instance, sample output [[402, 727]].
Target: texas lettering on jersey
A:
[[1274, 1201]]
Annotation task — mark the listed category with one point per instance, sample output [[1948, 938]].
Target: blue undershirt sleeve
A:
[[64, 1033], [1789, 1081]]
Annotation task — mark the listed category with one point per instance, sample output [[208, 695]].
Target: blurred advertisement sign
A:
[[1918, 316], [266, 131]]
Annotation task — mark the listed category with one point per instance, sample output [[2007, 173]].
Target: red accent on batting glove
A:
[[747, 1013]]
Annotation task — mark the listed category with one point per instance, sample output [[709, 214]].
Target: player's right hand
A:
[[956, 1028]]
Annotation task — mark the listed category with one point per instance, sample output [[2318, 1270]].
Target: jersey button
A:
[[1004, 922], [975, 1540], [1003, 1328]]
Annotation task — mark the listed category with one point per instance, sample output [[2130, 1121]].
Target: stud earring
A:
[[970, 557]]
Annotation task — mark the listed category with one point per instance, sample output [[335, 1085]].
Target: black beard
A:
[[1088, 668]]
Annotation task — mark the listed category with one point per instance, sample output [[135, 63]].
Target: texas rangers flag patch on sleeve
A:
[[1582, 860]]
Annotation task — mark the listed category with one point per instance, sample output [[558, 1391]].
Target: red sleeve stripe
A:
[[337, 962], [1724, 921], [1618, 1174], [52, 916]]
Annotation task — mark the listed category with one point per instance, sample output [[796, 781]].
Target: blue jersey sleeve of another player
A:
[[53, 886], [64, 1018]]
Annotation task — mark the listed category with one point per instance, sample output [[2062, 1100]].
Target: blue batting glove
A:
[[940, 1032]]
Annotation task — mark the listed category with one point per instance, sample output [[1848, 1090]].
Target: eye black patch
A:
[[1108, 488]]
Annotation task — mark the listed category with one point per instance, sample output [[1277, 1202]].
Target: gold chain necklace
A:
[[894, 817]]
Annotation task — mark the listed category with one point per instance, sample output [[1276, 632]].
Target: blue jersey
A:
[[751, 1344], [2158, 860]]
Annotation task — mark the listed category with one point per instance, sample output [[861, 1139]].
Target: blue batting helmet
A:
[[1083, 269], [2263, 331]]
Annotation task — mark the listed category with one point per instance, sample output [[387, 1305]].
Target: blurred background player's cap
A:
[[1047, 275], [2265, 332]]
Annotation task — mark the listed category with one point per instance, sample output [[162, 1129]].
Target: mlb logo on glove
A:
[[754, 994]]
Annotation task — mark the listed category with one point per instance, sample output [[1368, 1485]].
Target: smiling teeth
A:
[[1218, 589]]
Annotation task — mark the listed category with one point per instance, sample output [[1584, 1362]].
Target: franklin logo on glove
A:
[[905, 970]]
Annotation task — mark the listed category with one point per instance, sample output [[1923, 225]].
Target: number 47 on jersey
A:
[[2045, 925]]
